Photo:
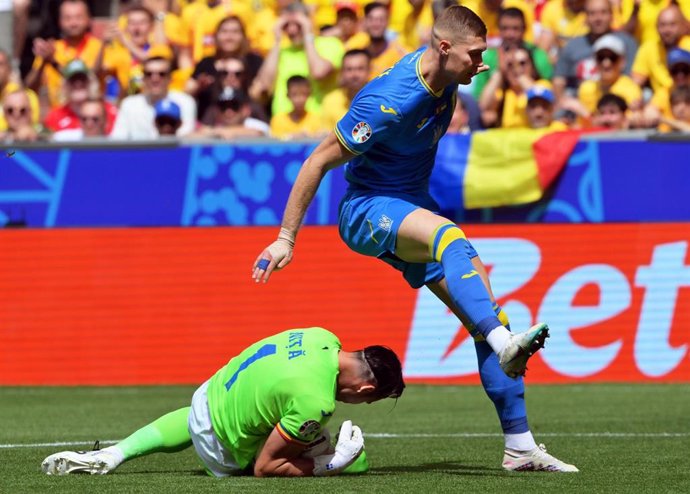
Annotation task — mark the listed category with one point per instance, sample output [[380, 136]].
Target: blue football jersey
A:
[[393, 126]]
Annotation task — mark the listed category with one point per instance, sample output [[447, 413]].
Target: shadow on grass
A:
[[446, 467]]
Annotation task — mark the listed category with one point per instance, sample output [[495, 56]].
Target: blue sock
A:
[[507, 394], [449, 247]]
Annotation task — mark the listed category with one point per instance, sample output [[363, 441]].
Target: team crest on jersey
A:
[[361, 132], [309, 428], [385, 223]]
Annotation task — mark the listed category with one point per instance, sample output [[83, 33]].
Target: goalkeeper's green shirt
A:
[[286, 381]]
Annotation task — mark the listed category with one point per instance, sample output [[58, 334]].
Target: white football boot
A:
[[536, 460], [67, 462], [520, 347]]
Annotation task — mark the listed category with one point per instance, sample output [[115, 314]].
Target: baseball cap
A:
[[540, 92], [75, 67], [168, 108], [351, 6], [610, 42], [677, 55]]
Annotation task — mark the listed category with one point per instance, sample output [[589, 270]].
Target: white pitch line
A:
[[385, 435]]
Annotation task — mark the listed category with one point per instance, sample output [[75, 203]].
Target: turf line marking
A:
[[385, 435]]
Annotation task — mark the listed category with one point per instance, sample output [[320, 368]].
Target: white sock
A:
[[520, 442], [497, 338], [116, 453]]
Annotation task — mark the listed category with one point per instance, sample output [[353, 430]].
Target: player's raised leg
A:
[[507, 394], [423, 237], [167, 434]]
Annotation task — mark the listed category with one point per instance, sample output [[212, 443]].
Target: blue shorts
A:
[[369, 223]]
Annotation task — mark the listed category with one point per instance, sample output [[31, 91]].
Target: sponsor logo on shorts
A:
[[361, 132], [385, 223], [469, 275]]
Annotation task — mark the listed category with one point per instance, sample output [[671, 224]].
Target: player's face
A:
[[353, 397], [465, 58]]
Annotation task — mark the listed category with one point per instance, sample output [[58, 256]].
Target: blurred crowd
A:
[[233, 69]]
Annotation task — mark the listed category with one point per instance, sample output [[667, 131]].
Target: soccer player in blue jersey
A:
[[388, 139]]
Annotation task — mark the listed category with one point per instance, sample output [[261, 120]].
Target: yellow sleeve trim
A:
[[287, 436], [343, 141]]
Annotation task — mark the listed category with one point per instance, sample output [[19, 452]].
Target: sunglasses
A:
[[151, 73], [607, 56], [680, 69], [19, 111], [225, 73], [90, 118], [233, 105]]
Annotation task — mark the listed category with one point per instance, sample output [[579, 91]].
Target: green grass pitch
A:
[[624, 438]]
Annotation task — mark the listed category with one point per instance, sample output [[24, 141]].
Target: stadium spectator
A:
[[200, 20], [609, 52], [650, 61], [346, 22], [265, 412], [168, 117], [233, 58], [489, 11], [384, 53], [52, 56], [119, 63], [680, 109], [354, 74], [317, 58], [540, 109], [576, 61], [511, 28], [230, 74], [7, 86], [389, 139], [561, 21], [230, 118], [640, 17], [298, 123], [504, 98], [78, 88], [17, 110], [678, 63], [93, 117], [612, 111], [135, 119]]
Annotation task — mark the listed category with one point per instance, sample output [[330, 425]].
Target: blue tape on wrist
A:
[[263, 264]]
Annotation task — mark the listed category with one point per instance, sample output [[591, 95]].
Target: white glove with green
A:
[[349, 446]]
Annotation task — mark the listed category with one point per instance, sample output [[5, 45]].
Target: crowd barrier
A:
[[606, 179], [171, 305]]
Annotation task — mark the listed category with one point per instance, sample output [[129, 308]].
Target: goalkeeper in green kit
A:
[[265, 412]]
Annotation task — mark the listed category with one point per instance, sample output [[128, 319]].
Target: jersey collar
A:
[[418, 69]]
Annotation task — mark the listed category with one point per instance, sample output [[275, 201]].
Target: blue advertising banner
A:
[[248, 184]]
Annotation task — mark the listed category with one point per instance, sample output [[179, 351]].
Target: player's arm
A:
[[282, 456], [327, 155]]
